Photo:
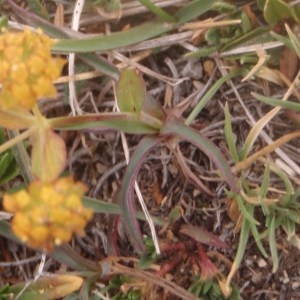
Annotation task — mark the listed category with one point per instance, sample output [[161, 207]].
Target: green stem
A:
[[158, 11], [22, 158], [19, 138]]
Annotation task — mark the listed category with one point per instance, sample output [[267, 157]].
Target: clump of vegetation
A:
[[237, 159]]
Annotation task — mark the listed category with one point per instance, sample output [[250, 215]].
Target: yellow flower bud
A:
[[27, 68], [48, 214]]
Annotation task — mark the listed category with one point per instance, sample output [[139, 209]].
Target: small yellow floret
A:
[[48, 214], [27, 68]]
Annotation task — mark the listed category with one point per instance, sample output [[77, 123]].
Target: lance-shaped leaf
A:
[[127, 190], [131, 91], [193, 136], [48, 154], [126, 122]]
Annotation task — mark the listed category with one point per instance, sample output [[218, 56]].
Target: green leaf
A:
[[272, 243], [295, 10], [193, 10], [158, 11], [294, 39], [114, 40], [210, 93], [245, 211], [39, 9], [275, 102], [275, 11], [3, 22], [131, 91], [127, 191], [230, 140], [126, 122]]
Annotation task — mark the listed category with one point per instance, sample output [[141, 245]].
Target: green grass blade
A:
[[100, 206], [210, 93], [100, 64], [244, 210], [39, 9], [244, 235], [193, 10], [158, 11], [229, 135], [275, 102], [294, 39], [264, 190], [114, 40], [272, 243], [193, 136], [256, 36], [258, 238], [134, 35]]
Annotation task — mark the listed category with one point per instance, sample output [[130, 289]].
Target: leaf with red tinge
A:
[[127, 191], [202, 236]]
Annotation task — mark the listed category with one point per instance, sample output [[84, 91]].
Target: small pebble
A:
[[295, 285], [261, 263]]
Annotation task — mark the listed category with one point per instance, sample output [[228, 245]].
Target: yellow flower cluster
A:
[[48, 213], [27, 68]]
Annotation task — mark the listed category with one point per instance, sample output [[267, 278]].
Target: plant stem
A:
[[19, 138]]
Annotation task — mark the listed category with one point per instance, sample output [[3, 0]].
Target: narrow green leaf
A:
[[244, 235], [100, 206], [135, 35], [272, 243], [114, 40], [275, 102], [258, 238], [126, 122], [38, 9], [295, 11], [127, 191], [245, 211], [257, 35], [264, 189], [294, 38], [100, 64], [193, 10], [193, 136], [210, 93], [230, 140], [22, 158], [158, 11], [131, 91]]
